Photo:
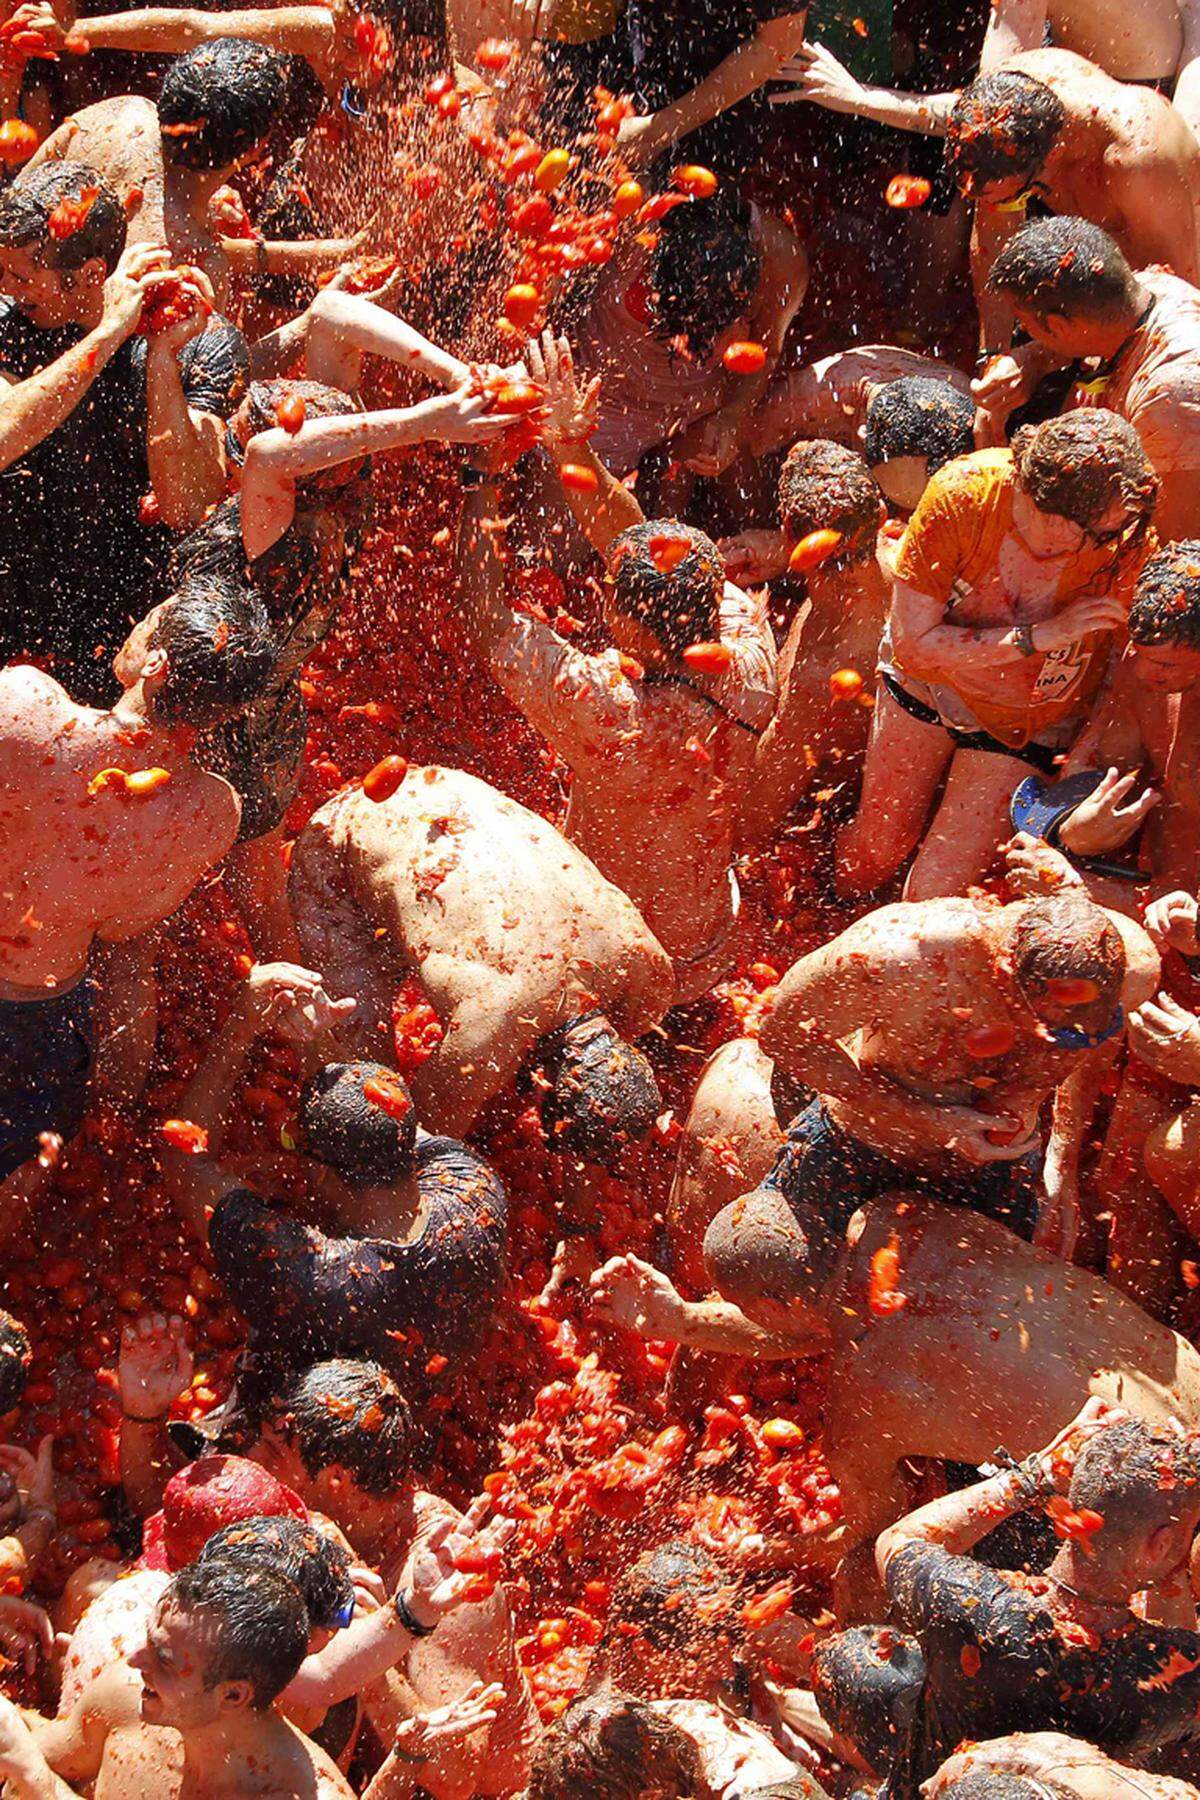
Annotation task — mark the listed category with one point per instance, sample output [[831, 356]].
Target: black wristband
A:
[[404, 1613]]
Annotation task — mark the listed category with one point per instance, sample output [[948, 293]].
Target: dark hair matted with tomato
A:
[[64, 214]]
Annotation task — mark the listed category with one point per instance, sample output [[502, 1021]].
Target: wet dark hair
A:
[[1138, 1478], [609, 1746], [346, 1413], [800, 1787], [26, 206], [763, 1247], [868, 1683], [993, 1784], [1067, 937], [1166, 600], [220, 649], [349, 1131], [320, 402], [1003, 124], [213, 366], [681, 605], [1078, 465], [259, 1618], [919, 416], [705, 271], [312, 1560], [603, 1095], [15, 1355], [280, 575], [673, 1596], [823, 484], [220, 100], [1065, 266]]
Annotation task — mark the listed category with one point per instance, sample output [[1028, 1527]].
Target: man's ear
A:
[[92, 272], [155, 670], [235, 1696]]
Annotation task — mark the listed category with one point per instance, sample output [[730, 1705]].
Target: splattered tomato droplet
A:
[[745, 358], [185, 1135], [814, 549], [381, 782]]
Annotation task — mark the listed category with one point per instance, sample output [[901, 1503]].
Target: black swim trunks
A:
[[311, 1295], [45, 1059], [824, 1168]]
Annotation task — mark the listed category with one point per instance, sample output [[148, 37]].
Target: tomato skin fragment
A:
[[814, 548], [883, 1290], [579, 478], [708, 659], [185, 1135], [745, 358]]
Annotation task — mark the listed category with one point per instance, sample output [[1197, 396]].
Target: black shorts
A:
[[825, 1169], [1038, 756], [46, 1049]]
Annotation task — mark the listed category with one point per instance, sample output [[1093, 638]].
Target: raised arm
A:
[[277, 459], [307, 31], [1013, 26], [343, 328], [602, 505], [759, 60], [817, 75], [956, 1522], [184, 447], [420, 1740], [32, 409]]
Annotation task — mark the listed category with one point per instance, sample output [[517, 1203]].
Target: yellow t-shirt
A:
[[952, 548]]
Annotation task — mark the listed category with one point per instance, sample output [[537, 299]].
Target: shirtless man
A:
[[107, 824], [509, 928], [994, 1343], [1047, 1765], [1050, 125], [820, 726], [1146, 728], [166, 162], [358, 1473], [1133, 340], [832, 398], [661, 749], [906, 428], [225, 1640]]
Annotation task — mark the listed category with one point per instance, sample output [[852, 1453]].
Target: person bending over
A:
[[1050, 126], [415, 1259], [1011, 581], [1047, 1765], [108, 824], [661, 752], [1060, 1651], [1131, 341]]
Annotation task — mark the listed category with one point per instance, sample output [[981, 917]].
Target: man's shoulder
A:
[[29, 695]]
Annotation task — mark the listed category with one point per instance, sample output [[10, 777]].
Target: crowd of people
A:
[[464, 913]]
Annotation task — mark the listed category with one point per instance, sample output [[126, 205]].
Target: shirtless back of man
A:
[[1126, 159], [509, 927], [121, 139], [149, 1762], [1142, 41], [75, 864], [996, 1344]]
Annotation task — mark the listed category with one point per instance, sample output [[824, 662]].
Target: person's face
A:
[[1008, 193], [902, 481], [49, 297], [1167, 668], [1052, 330], [171, 1664], [1057, 536]]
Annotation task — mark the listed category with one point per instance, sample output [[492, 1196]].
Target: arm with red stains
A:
[[343, 328], [933, 650], [30, 410], [276, 460], [481, 568], [632, 1294], [743, 72], [249, 257], [816, 74], [956, 1522], [307, 31], [1057, 1226], [23, 1769], [185, 449], [420, 1740], [602, 505]]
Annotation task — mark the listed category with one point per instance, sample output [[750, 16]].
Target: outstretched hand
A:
[[634, 1295], [815, 74], [155, 1365], [294, 1001], [455, 1559], [570, 414], [422, 1736]]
